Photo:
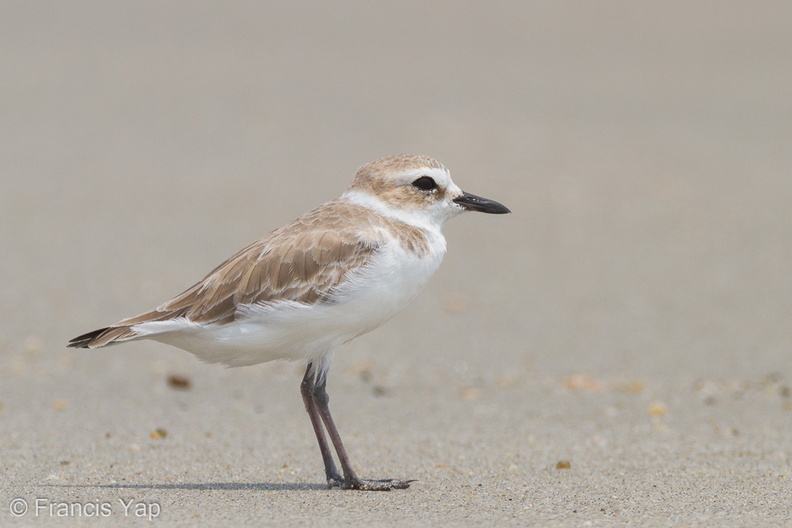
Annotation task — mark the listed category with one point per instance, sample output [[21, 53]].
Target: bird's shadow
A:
[[211, 486]]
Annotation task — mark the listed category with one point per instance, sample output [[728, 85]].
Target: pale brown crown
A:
[[396, 164]]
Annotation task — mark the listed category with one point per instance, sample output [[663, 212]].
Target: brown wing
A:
[[300, 262]]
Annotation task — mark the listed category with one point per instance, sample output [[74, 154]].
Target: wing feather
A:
[[301, 262]]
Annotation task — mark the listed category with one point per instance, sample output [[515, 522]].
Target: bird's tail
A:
[[108, 335]]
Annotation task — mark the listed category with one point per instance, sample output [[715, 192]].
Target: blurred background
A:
[[645, 150]]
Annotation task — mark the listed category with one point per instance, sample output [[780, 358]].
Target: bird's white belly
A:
[[291, 330]]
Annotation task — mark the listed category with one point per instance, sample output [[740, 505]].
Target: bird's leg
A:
[[351, 480], [307, 391]]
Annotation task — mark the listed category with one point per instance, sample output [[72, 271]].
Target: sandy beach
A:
[[616, 352]]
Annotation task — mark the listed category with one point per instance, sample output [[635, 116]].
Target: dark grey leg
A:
[[351, 481], [307, 391]]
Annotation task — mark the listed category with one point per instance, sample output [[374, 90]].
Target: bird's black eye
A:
[[425, 183]]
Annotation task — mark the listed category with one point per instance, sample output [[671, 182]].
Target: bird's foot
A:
[[375, 485], [334, 480]]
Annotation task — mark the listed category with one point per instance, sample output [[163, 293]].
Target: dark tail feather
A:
[[101, 337], [85, 340]]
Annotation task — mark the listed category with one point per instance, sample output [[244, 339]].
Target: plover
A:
[[300, 292]]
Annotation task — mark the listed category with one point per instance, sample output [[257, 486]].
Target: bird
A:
[[303, 290]]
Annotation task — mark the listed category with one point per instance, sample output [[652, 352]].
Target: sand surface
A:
[[616, 352]]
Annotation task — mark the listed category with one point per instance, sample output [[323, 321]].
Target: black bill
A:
[[471, 202]]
